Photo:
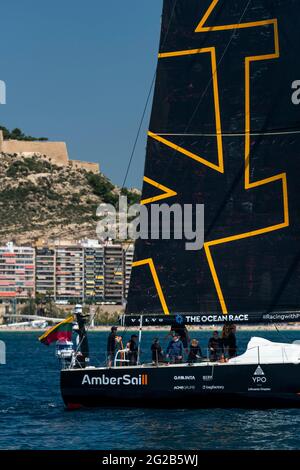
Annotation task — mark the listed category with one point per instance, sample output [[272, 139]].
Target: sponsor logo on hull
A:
[[207, 378], [259, 371], [259, 379], [126, 379], [184, 387], [184, 377], [213, 387]]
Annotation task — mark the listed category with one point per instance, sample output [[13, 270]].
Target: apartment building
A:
[[93, 271], [114, 273], [70, 273], [45, 267], [87, 271], [17, 272], [128, 250]]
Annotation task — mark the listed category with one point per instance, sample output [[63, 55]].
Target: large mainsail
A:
[[225, 132]]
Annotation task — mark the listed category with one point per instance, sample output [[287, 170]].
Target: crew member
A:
[[195, 351], [157, 352], [225, 339], [111, 345], [215, 347], [175, 349], [231, 339], [132, 347], [181, 331]]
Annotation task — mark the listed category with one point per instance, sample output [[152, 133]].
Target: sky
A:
[[80, 72]]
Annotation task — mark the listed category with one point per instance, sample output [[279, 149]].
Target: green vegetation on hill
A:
[[27, 166], [133, 197], [102, 187], [41, 200], [17, 134]]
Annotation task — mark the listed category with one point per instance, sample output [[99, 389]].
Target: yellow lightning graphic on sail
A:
[[201, 28], [248, 184]]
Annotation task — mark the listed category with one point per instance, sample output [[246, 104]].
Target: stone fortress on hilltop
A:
[[56, 152], [45, 195]]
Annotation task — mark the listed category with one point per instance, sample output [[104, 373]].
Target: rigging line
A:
[[281, 334], [139, 130], [169, 24], [225, 134], [147, 100], [144, 111], [134, 148]]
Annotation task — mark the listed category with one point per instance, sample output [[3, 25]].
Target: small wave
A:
[[10, 409]]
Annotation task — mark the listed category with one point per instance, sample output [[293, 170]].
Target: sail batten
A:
[[225, 132]]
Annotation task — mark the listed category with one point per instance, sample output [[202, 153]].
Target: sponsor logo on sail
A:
[[190, 319], [126, 379]]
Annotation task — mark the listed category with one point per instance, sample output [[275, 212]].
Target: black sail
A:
[[225, 132]]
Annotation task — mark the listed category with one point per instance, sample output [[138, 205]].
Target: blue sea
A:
[[32, 414]]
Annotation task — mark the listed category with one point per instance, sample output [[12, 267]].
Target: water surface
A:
[[32, 414]]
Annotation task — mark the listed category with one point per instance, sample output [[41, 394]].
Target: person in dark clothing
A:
[[175, 349], [195, 351], [182, 332], [157, 352], [231, 340], [111, 345], [224, 338], [215, 347], [132, 347]]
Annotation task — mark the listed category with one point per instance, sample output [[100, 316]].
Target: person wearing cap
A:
[[175, 349], [195, 352], [111, 345], [181, 331], [132, 347]]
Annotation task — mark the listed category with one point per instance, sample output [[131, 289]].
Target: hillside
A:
[[41, 200]]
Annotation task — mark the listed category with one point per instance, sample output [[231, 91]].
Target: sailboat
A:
[[224, 132]]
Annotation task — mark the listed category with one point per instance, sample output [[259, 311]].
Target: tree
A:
[[18, 134]]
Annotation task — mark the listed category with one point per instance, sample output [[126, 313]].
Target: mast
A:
[[225, 132]]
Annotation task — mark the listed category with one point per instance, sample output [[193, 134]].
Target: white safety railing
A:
[[119, 358]]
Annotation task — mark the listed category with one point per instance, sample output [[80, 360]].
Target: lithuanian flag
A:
[[60, 332]]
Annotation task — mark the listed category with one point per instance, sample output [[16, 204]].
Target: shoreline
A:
[[105, 328]]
